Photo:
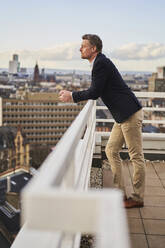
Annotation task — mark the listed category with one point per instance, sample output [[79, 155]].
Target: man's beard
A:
[[84, 57]]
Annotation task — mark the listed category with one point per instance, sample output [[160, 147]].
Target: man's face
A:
[[87, 50]]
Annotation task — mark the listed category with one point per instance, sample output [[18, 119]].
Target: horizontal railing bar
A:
[[49, 173], [144, 108], [144, 121], [41, 196], [54, 173], [145, 135], [154, 109], [36, 239], [149, 94], [79, 211]]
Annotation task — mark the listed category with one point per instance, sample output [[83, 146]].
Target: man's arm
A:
[[99, 79]]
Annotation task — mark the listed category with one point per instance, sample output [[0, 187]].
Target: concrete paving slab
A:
[[155, 182], [135, 225], [156, 241], [154, 191], [157, 201], [133, 213], [153, 213], [138, 241], [156, 227]]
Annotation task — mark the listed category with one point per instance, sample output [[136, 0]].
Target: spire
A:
[[36, 77]]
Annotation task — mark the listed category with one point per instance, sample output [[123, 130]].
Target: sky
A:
[[49, 32]]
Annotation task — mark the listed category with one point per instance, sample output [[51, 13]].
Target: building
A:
[[36, 76], [15, 57], [14, 65], [4, 77], [14, 150], [41, 116], [161, 72], [157, 80], [14, 175], [23, 70]]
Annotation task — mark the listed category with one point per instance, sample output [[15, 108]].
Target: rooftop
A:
[[147, 224], [59, 193]]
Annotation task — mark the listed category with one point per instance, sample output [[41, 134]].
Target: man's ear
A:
[[94, 49]]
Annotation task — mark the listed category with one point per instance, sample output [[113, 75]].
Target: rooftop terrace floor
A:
[[147, 224]]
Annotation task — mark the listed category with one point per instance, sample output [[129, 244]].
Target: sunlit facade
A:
[[41, 116]]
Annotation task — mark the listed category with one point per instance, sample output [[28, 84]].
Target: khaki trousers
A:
[[129, 132]]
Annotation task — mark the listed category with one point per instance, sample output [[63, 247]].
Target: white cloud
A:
[[68, 51], [67, 56], [133, 51], [64, 52]]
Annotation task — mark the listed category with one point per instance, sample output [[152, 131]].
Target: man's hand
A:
[[65, 96]]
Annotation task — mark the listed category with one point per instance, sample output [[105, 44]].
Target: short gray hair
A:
[[94, 41]]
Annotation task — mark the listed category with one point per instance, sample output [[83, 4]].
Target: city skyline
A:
[[49, 32]]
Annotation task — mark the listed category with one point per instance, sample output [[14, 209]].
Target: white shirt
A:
[[91, 63], [91, 67]]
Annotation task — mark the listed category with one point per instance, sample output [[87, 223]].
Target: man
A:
[[108, 84]]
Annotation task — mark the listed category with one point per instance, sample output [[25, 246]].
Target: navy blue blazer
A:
[[108, 84]]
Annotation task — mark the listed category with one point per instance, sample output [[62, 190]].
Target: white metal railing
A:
[[56, 205], [152, 142], [145, 95]]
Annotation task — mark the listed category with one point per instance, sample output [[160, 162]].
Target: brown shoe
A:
[[131, 203], [125, 198]]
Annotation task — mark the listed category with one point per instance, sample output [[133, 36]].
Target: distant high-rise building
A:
[[14, 65], [157, 80], [23, 70], [161, 72], [36, 76], [43, 74], [55, 76], [15, 57]]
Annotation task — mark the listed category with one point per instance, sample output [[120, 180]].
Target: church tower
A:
[[36, 77]]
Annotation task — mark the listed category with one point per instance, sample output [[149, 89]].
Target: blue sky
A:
[[50, 32]]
